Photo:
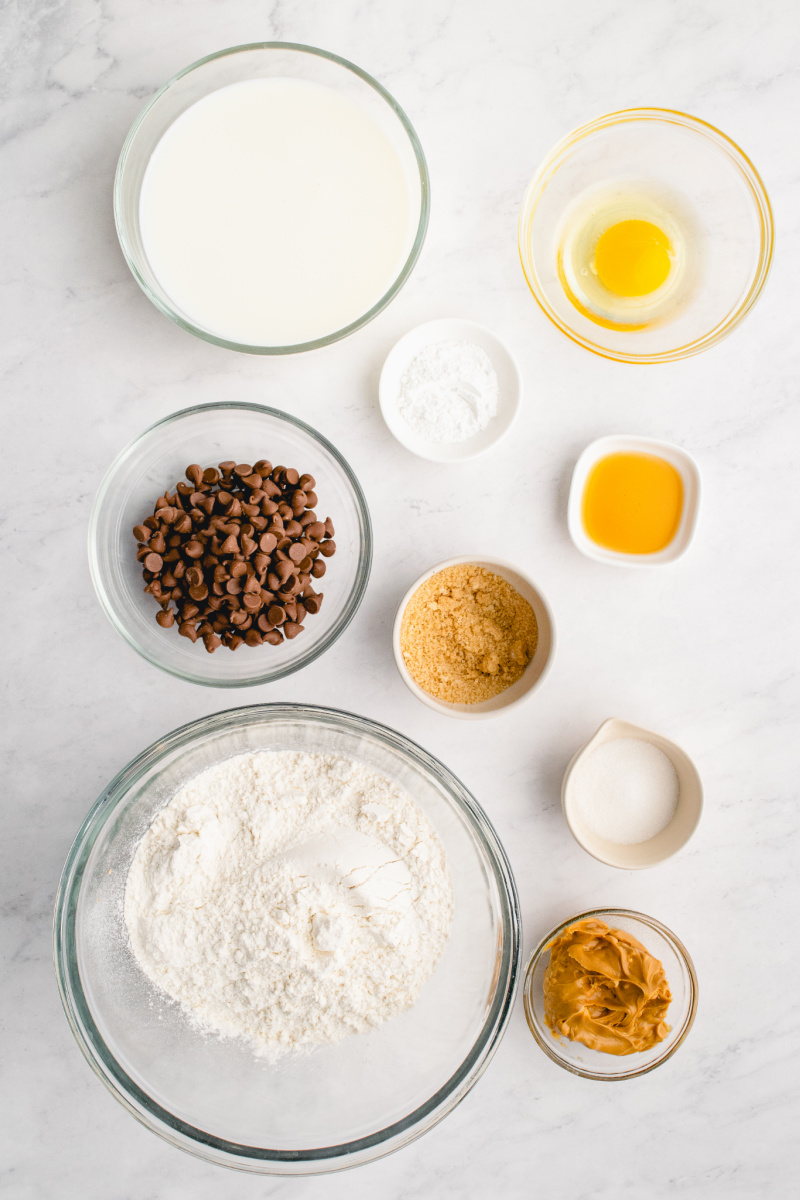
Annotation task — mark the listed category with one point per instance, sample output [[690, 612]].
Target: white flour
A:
[[449, 392], [289, 898]]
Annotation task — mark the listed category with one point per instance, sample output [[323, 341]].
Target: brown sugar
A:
[[467, 635]]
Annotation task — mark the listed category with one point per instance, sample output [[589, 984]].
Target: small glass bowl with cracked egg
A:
[[646, 235]]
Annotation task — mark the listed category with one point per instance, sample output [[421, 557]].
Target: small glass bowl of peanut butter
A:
[[610, 994]]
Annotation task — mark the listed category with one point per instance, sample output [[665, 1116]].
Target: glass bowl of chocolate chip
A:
[[230, 544]]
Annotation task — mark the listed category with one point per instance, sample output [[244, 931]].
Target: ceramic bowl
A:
[[537, 669], [683, 463], [681, 977], [666, 843], [508, 378]]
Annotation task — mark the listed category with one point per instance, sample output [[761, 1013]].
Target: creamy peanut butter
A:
[[604, 989]]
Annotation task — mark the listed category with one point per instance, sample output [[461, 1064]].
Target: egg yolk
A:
[[632, 258], [632, 503]]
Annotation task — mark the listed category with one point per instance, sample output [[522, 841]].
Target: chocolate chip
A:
[[233, 550]]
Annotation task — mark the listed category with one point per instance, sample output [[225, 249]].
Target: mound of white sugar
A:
[[626, 790], [290, 899]]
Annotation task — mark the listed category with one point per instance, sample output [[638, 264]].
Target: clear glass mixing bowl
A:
[[689, 164], [157, 459], [257, 61], [341, 1105]]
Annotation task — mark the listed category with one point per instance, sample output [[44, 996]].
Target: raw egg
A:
[[632, 503], [632, 258], [623, 258]]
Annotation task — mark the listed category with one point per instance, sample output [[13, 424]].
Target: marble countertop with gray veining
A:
[[705, 652]]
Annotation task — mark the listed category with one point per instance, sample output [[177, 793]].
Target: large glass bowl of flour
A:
[[271, 198], [340, 1104]]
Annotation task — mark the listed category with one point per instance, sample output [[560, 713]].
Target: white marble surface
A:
[[705, 652]]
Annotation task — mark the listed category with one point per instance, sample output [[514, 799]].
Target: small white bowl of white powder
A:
[[449, 390], [631, 798]]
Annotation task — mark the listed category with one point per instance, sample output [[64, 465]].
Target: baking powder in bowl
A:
[[290, 899], [448, 392]]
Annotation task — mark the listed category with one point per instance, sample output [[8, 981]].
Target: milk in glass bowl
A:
[[271, 198]]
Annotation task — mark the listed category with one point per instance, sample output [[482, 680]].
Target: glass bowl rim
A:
[[747, 171], [542, 1039], [185, 1136], [298, 347], [363, 566]]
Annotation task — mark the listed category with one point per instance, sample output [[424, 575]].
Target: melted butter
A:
[[632, 503]]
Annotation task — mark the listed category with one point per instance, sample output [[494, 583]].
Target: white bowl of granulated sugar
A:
[[449, 390]]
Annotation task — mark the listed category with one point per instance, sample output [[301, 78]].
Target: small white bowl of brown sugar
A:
[[473, 636]]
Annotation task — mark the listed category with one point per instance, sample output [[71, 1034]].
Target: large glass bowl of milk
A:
[[271, 198]]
